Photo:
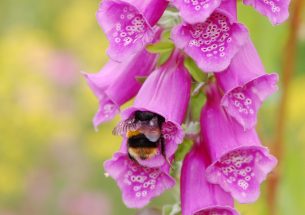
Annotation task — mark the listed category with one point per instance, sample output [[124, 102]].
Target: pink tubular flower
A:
[[138, 184], [116, 83], [246, 86], [196, 11], [128, 24], [166, 93], [198, 197], [276, 10], [213, 43], [239, 161]]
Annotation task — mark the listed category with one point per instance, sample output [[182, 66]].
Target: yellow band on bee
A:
[[132, 133]]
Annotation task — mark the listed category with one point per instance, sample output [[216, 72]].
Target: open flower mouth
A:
[[126, 28], [243, 102], [213, 43], [139, 184], [150, 139], [276, 10], [129, 28], [241, 171]]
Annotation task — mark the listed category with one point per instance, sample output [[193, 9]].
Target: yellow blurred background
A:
[[51, 157]]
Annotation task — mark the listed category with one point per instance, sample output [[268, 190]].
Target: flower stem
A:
[[289, 66]]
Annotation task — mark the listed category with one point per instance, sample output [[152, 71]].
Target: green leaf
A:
[[196, 103], [160, 47], [163, 57], [141, 79], [166, 35], [174, 209], [194, 70], [183, 149]]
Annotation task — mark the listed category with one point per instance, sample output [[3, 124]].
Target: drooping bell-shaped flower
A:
[[138, 184], [196, 11], [214, 42], [198, 196], [128, 24], [116, 83], [246, 86], [166, 92], [277, 11], [239, 162]]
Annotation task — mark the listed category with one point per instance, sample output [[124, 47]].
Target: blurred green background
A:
[[51, 157]]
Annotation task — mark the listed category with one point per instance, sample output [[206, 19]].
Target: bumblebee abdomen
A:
[[142, 153], [140, 141], [141, 147]]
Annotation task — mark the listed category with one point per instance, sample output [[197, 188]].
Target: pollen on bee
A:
[[132, 133]]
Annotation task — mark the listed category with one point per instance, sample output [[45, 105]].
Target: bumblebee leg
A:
[[162, 146], [163, 152]]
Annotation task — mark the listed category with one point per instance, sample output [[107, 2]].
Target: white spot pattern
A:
[[131, 27], [142, 179], [238, 167], [242, 102], [213, 36], [197, 5], [273, 5]]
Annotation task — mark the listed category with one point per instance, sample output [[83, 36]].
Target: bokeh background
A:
[[50, 155]]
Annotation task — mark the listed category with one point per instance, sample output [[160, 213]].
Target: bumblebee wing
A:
[[124, 126]]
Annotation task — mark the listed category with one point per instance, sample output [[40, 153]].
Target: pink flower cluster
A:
[[227, 160]]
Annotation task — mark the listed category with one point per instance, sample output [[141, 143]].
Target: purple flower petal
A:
[[196, 11], [213, 43], [241, 171], [239, 162], [173, 135], [107, 84], [138, 184], [198, 197], [125, 27], [243, 102], [276, 10], [107, 111], [166, 92], [246, 86]]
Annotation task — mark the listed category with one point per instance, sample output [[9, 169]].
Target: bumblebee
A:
[[143, 132]]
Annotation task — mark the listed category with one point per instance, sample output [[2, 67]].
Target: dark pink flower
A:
[[213, 42], [116, 83], [128, 24], [198, 196], [239, 162], [246, 85], [138, 184], [166, 92], [276, 10]]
